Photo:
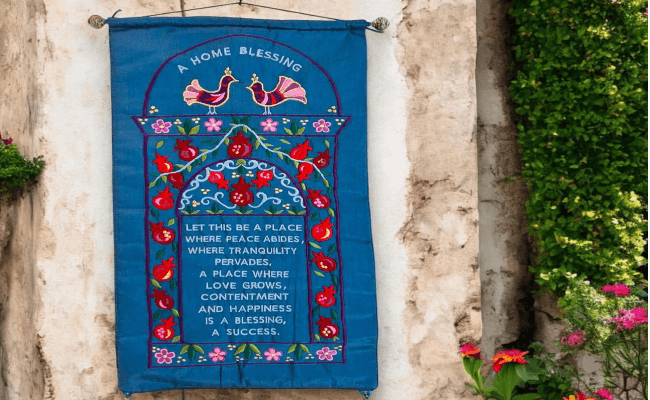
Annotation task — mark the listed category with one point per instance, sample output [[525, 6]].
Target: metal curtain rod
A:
[[380, 24]]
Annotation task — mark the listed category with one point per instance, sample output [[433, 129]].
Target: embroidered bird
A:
[[286, 89], [195, 94]]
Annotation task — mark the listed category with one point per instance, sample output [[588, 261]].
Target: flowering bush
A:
[[16, 171], [510, 369], [613, 324]]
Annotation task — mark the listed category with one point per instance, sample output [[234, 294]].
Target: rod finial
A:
[[380, 24], [96, 21]]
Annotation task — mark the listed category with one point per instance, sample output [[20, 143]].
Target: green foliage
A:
[[16, 171], [554, 374], [581, 90]]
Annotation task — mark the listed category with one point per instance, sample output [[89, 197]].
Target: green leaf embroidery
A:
[[254, 348], [185, 348], [198, 348], [291, 348], [240, 349], [160, 253], [171, 222], [195, 130], [314, 245], [327, 143], [319, 273], [175, 312], [155, 283], [176, 339], [159, 144]]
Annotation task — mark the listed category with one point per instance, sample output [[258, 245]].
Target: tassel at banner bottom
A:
[[366, 393]]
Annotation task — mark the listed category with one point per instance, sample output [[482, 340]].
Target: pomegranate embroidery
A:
[[164, 200], [166, 330], [323, 159], [326, 328], [164, 272], [186, 152], [218, 179], [241, 195], [301, 151], [263, 178], [160, 234], [305, 170], [323, 231], [162, 164], [326, 297], [176, 180], [240, 146], [162, 299], [317, 199], [324, 263]]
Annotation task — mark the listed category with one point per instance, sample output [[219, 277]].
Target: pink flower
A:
[[322, 126], [617, 289], [213, 125], [272, 354], [269, 125], [164, 356], [574, 339], [217, 354], [469, 350], [640, 315], [605, 394], [161, 126], [326, 354], [628, 319], [7, 142]]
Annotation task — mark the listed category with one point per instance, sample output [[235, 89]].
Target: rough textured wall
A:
[[422, 102], [504, 244], [22, 376], [438, 59]]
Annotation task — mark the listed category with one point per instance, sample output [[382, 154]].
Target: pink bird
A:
[[195, 94], [286, 89]]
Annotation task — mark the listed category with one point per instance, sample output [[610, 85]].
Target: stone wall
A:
[[57, 312], [22, 373]]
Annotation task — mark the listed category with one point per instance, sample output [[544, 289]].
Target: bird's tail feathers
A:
[[291, 89], [191, 93]]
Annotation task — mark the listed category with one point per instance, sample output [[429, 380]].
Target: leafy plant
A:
[[16, 171], [510, 371], [581, 91]]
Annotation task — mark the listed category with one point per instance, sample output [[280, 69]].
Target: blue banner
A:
[[243, 252]]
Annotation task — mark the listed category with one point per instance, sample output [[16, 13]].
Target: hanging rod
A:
[[380, 24]]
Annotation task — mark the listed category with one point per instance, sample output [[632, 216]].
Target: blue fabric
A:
[[243, 251]]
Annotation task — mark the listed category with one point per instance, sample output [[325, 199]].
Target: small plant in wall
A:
[[17, 172]]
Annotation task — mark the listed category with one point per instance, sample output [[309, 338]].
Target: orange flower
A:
[[580, 396], [469, 350], [509, 356]]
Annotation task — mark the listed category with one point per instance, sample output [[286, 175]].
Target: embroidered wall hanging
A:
[[243, 251]]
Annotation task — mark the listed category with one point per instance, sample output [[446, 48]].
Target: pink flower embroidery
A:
[[213, 125], [322, 126], [161, 126], [617, 289], [272, 354], [605, 394], [269, 125], [217, 354], [325, 353], [574, 339], [164, 356]]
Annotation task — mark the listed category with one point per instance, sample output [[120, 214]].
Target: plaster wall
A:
[[422, 138]]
